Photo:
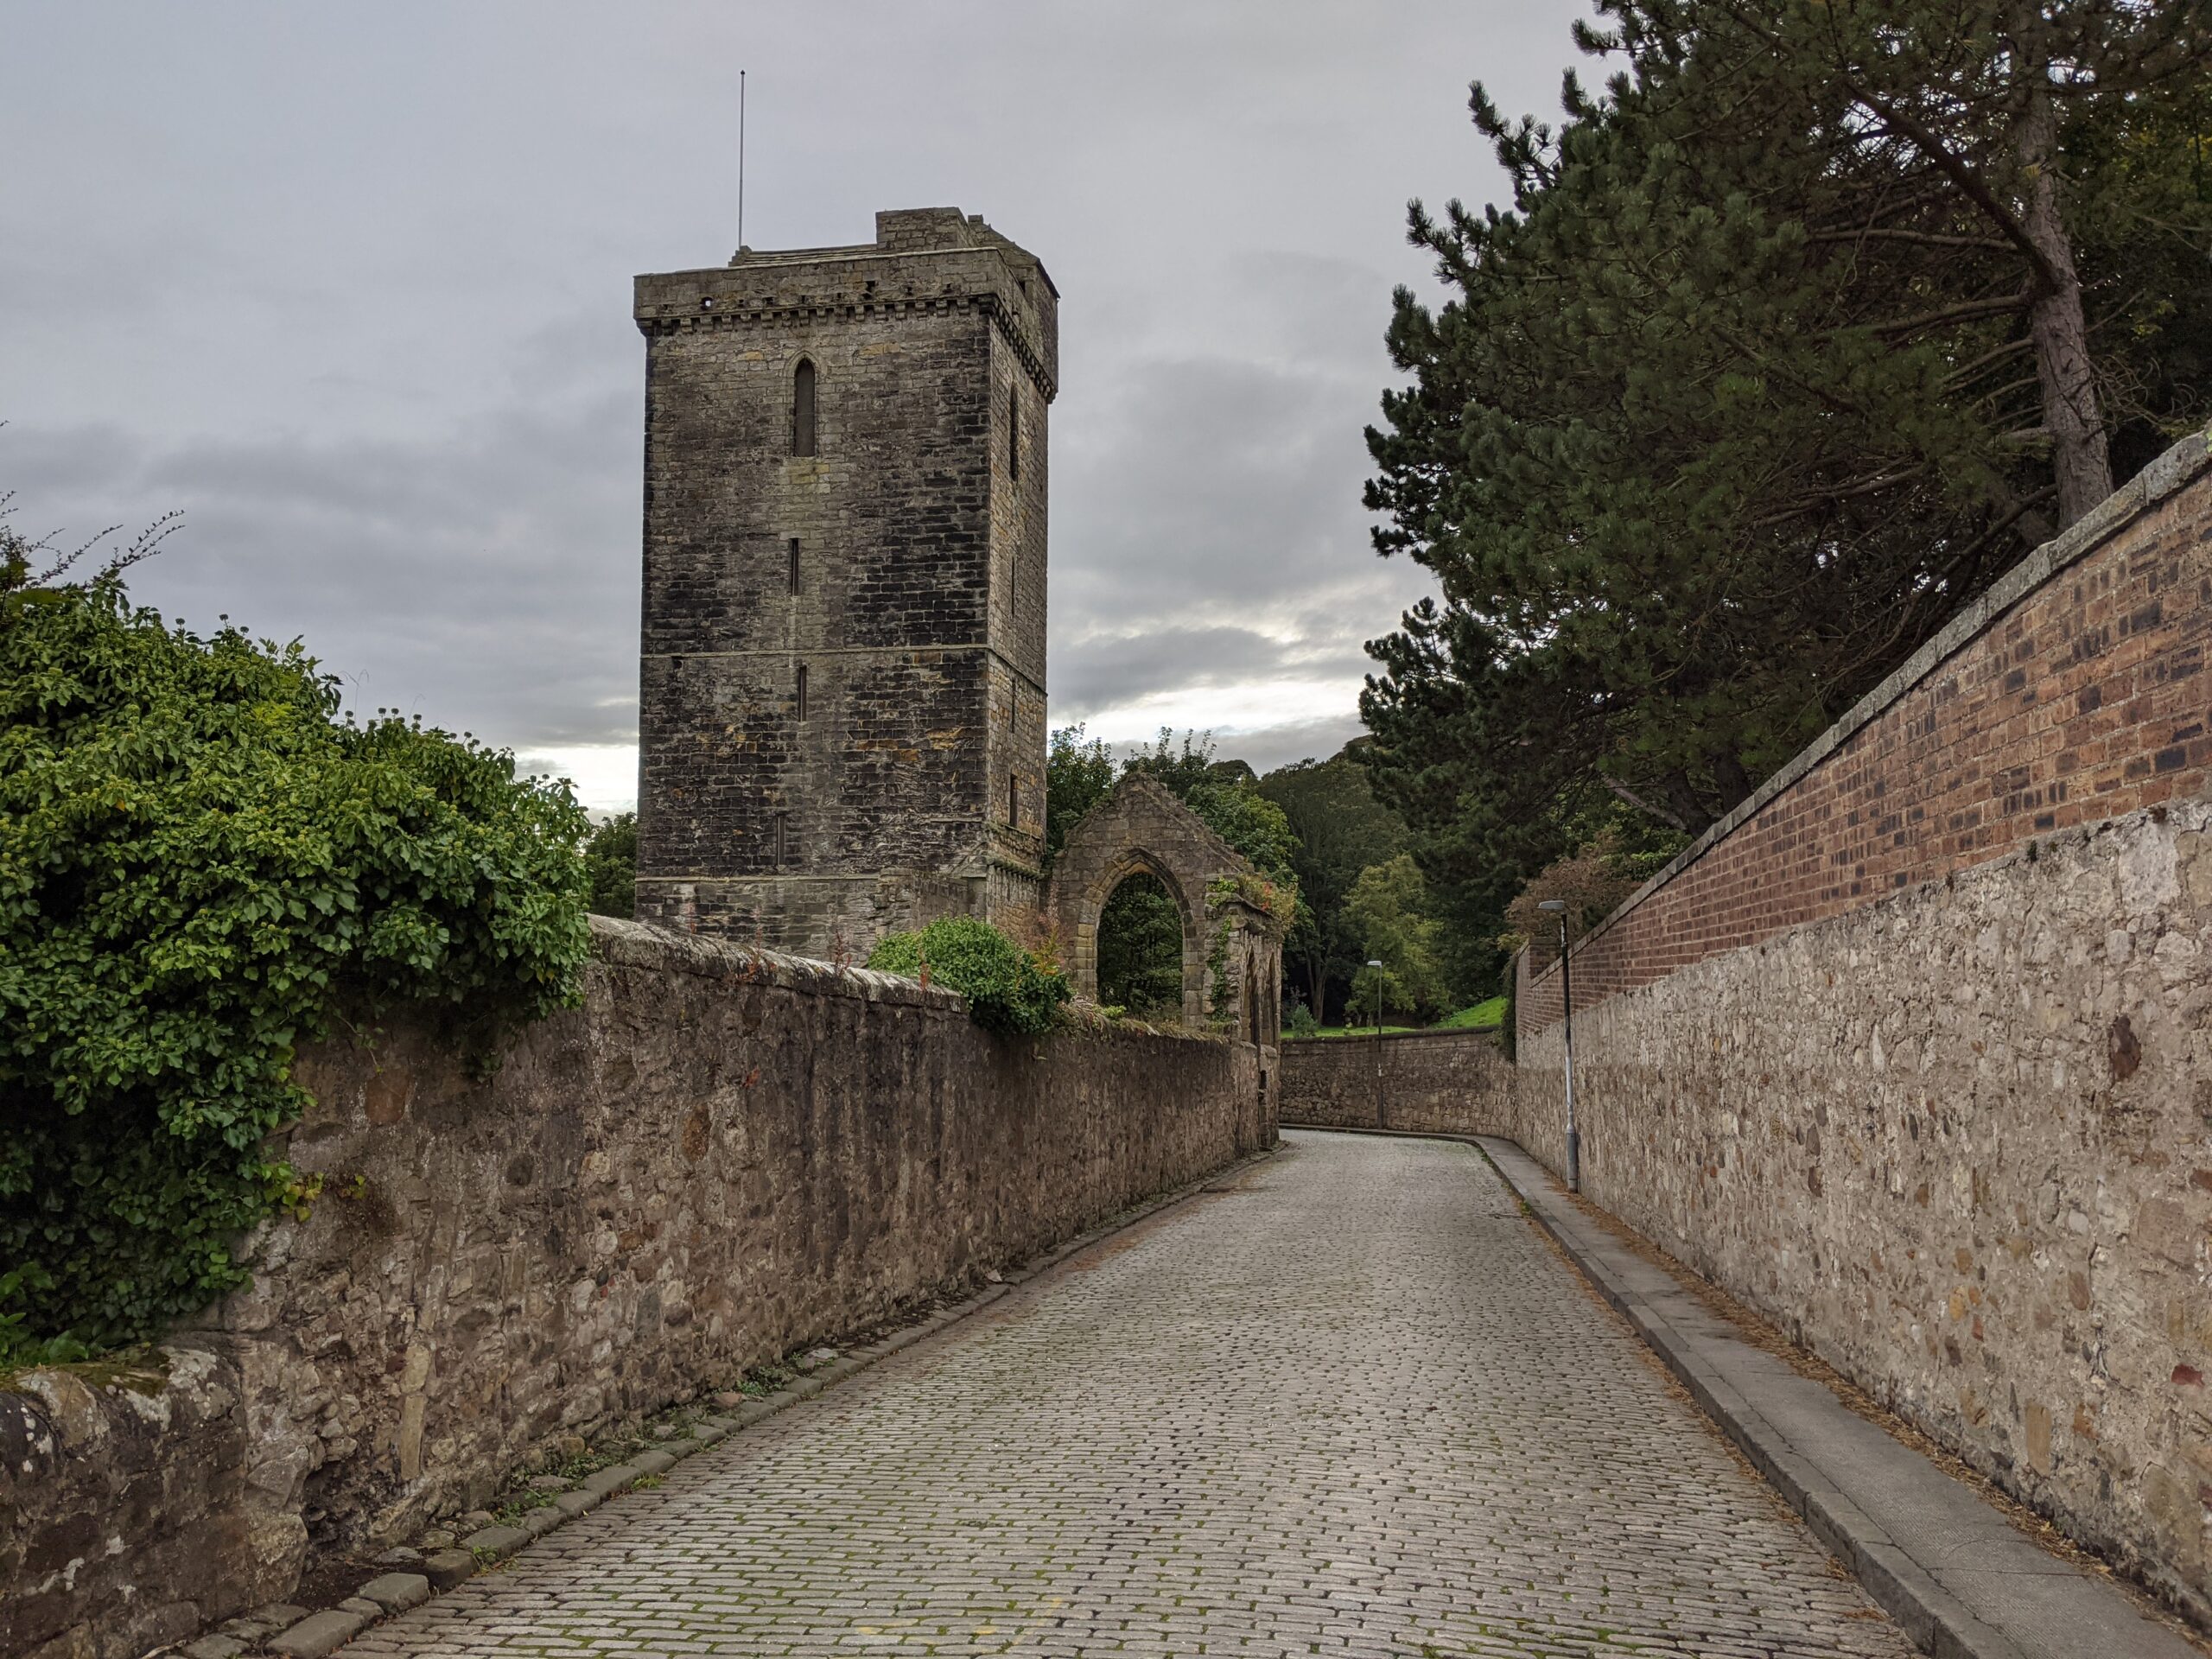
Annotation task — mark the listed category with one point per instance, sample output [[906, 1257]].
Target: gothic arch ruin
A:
[[1232, 947]]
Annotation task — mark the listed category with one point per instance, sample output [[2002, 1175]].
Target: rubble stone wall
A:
[[1912, 1054], [722, 1156], [1425, 1082]]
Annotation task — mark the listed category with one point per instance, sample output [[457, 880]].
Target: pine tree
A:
[[1812, 323]]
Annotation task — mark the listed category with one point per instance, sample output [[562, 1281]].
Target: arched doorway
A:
[[1231, 946], [1141, 948]]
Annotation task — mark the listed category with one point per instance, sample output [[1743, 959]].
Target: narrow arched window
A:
[[802, 409], [1014, 435]]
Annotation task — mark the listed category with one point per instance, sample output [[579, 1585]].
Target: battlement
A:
[[922, 257], [842, 656]]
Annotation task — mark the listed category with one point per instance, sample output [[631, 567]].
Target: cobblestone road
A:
[[1354, 1405]]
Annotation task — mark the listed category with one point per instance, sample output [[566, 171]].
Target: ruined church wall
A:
[[721, 1156], [1912, 1054]]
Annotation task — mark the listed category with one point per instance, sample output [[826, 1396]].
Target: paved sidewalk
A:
[[1958, 1575], [1355, 1404]]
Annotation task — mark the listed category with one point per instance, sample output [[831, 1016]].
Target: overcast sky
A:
[[349, 284]]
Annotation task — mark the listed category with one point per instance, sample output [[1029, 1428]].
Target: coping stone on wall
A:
[[2171, 473]]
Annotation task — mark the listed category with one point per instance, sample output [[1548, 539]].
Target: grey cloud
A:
[[351, 287]]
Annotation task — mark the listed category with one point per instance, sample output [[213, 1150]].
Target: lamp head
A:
[[1374, 964], [1551, 904]]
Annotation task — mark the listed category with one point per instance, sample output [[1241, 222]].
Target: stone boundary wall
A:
[[1915, 1054], [1431, 1081], [722, 1156], [2068, 694]]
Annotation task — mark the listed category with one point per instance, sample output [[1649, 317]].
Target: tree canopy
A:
[[201, 864], [1818, 317]]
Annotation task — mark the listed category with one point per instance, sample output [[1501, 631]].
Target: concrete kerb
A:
[[322, 1632], [1901, 1524]]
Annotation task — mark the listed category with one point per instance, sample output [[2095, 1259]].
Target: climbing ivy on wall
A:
[[201, 864]]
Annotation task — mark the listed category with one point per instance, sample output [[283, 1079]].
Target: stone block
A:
[[319, 1635], [497, 1542], [447, 1568], [397, 1592]]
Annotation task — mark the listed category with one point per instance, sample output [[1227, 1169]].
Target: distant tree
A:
[[1340, 829], [1078, 771], [1388, 907], [610, 862], [1820, 316]]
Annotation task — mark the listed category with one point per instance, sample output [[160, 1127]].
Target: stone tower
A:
[[842, 696]]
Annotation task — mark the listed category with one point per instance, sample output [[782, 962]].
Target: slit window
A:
[[794, 552], [802, 409], [1014, 434], [802, 690], [1013, 800], [779, 839]]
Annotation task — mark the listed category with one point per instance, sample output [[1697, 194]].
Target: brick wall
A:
[[1436, 1081], [721, 1157], [2071, 693], [1915, 1054]]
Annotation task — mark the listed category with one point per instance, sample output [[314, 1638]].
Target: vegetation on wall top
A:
[[1010, 992], [203, 866]]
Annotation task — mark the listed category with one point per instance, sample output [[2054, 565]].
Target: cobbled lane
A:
[[1355, 1403]]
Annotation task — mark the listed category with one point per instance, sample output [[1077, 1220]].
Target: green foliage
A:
[[1010, 992], [1481, 1016], [198, 864], [1388, 910], [611, 867], [1078, 772], [1340, 829], [1752, 388], [1301, 1022], [1141, 949]]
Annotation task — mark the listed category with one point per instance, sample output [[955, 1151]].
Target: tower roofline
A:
[[922, 257]]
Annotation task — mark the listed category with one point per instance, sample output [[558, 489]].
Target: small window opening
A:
[[802, 692], [802, 409], [1013, 800], [794, 550], [1014, 434], [779, 840]]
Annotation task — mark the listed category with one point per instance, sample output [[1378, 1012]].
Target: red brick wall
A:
[[2071, 693]]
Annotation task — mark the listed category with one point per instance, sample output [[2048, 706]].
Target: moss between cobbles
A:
[[519, 1498]]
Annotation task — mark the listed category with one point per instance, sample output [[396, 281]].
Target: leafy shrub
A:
[[1301, 1022], [200, 863], [1009, 991], [611, 867]]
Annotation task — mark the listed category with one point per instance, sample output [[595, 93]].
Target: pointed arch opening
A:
[[1141, 954], [803, 407]]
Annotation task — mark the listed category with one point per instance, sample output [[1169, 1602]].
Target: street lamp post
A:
[[1567, 1007], [1381, 1120]]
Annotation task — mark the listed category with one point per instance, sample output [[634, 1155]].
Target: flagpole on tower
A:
[[741, 161]]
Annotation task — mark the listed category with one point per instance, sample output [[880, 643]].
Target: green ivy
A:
[[1009, 991], [200, 863]]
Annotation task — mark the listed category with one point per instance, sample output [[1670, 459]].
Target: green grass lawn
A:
[[1484, 1016]]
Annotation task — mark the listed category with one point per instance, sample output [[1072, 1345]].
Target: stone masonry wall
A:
[[1433, 1081], [841, 713], [721, 1157], [1912, 1052]]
